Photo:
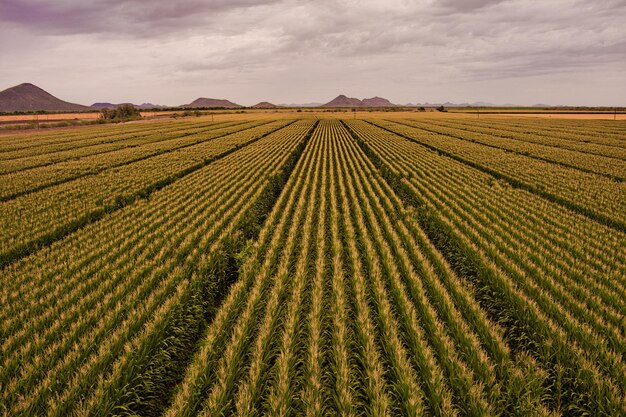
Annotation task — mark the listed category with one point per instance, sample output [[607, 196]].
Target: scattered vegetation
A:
[[123, 112]]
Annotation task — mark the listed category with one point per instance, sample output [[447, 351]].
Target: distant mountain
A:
[[301, 105], [104, 105], [481, 104], [212, 102], [264, 105], [150, 106], [113, 106], [376, 102], [344, 101], [29, 97], [474, 104]]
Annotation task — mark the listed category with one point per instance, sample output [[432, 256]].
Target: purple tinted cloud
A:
[[465, 6], [115, 16], [301, 50]]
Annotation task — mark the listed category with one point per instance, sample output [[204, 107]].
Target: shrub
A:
[[122, 112]]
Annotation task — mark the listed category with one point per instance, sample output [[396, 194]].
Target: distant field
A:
[[315, 263], [315, 112], [63, 116], [47, 117], [596, 116]]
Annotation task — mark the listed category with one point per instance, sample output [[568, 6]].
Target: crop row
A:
[[344, 307], [41, 142], [599, 197], [601, 132], [77, 312], [318, 268], [41, 217], [40, 157], [610, 163], [24, 144], [551, 278], [26, 181]]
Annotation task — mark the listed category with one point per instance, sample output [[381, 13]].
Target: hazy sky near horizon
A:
[[296, 51]]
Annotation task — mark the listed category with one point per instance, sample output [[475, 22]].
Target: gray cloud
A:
[[465, 6], [297, 50], [133, 17]]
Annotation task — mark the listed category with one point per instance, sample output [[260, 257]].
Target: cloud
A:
[[402, 49], [132, 17], [466, 6]]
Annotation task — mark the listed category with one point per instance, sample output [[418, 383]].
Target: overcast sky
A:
[[173, 51]]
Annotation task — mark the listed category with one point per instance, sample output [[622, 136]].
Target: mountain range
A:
[[29, 97], [212, 102], [99, 106], [264, 105], [449, 104], [314, 104], [344, 101]]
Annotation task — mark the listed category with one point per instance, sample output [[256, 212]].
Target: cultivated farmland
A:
[[381, 266]]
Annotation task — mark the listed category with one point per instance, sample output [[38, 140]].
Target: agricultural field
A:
[[329, 264]]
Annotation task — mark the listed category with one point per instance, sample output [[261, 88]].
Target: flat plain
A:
[[283, 263]]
